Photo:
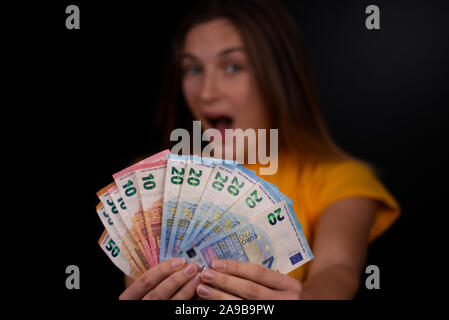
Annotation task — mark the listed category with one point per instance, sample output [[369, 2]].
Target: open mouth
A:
[[221, 123]]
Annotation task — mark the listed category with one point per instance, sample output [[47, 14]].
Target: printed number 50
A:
[[113, 248]]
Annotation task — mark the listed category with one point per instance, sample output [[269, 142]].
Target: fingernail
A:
[[177, 262], [218, 264], [190, 269], [207, 275], [196, 280], [198, 267], [203, 291]]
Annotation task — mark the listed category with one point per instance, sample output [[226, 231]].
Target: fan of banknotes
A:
[[201, 209]]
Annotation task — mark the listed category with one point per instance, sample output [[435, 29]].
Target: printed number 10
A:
[[148, 184], [129, 189]]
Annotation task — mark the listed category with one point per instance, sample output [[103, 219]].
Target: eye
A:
[[192, 70], [232, 68]]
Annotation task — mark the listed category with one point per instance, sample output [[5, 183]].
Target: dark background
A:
[[91, 113]]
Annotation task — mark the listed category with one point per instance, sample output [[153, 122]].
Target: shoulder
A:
[[328, 182], [337, 174], [339, 167]]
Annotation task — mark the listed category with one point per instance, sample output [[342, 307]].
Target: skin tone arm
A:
[[128, 281], [340, 249]]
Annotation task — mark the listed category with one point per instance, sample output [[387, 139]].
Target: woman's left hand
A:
[[230, 279]]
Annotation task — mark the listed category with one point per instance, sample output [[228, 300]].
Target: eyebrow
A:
[[220, 54]]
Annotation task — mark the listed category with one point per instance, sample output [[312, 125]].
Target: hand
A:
[[232, 279], [171, 279]]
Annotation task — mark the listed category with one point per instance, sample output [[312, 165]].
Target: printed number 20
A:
[[273, 219]]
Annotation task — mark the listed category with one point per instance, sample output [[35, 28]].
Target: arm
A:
[[128, 281], [340, 247]]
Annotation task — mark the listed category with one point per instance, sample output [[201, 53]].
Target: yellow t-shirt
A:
[[314, 186]]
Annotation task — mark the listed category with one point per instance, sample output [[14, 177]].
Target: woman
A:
[[239, 64]]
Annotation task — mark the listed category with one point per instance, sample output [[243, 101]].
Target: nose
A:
[[209, 92]]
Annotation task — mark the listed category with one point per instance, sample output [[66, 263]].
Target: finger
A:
[[255, 273], [170, 285], [151, 278], [238, 286], [207, 292], [188, 290]]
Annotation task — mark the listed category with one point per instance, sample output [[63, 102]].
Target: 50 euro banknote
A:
[[129, 237], [112, 250], [113, 245]]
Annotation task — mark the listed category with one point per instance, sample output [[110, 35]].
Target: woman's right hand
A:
[[169, 280]]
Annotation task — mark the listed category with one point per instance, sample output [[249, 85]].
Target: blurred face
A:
[[218, 81]]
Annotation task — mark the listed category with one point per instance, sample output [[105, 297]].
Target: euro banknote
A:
[[134, 218], [197, 173], [116, 255], [122, 230], [219, 180], [150, 182], [136, 229], [202, 209], [258, 198], [273, 238], [117, 243], [173, 180], [241, 180]]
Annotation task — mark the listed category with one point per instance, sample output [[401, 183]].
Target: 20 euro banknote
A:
[[273, 238]]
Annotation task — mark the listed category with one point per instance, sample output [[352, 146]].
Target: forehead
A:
[[211, 37]]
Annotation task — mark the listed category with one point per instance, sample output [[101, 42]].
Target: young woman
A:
[[239, 64]]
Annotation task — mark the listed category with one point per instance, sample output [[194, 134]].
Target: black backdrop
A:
[[384, 95]]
